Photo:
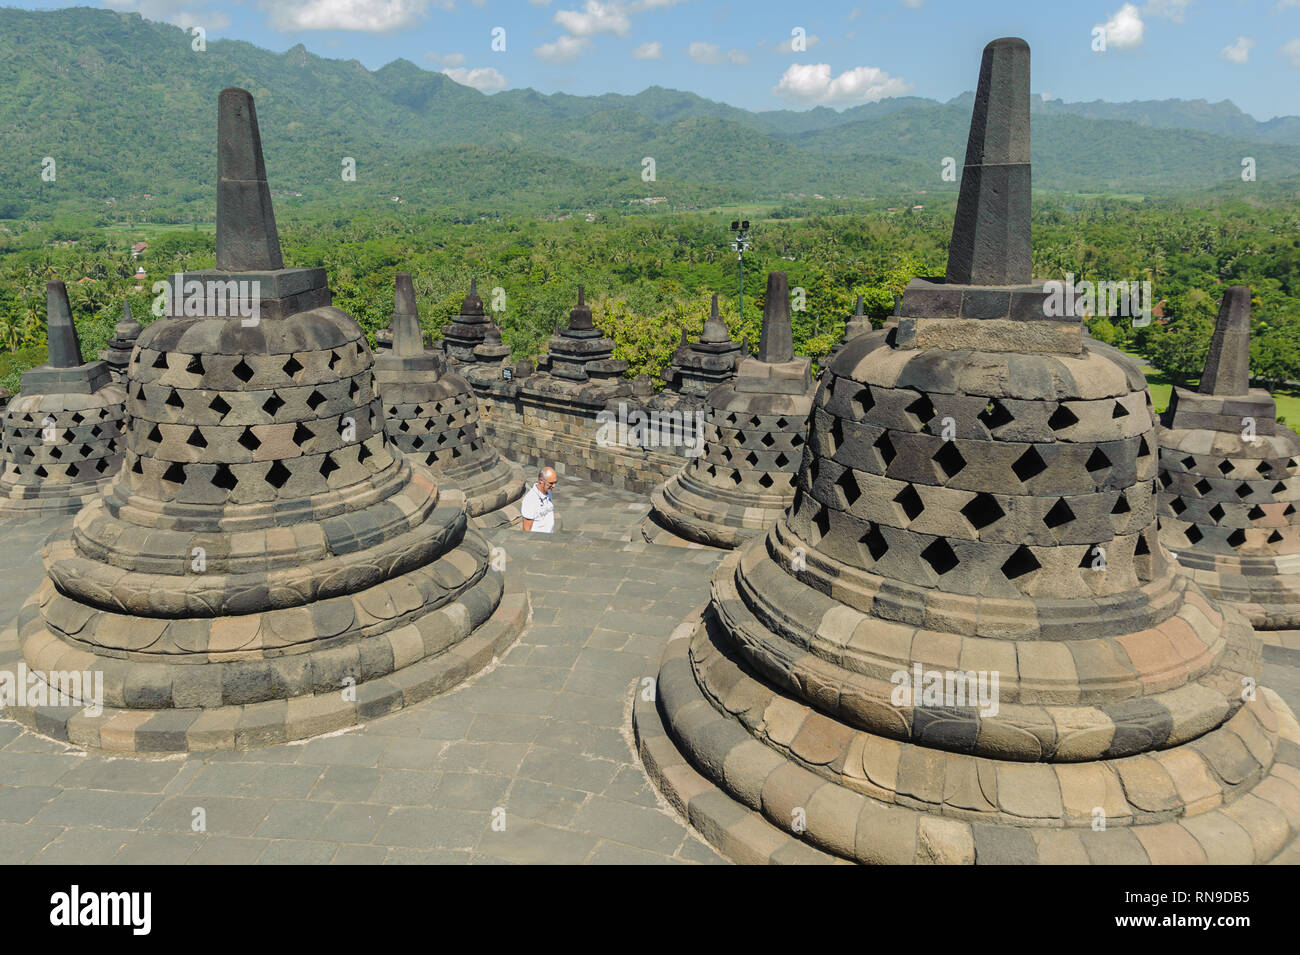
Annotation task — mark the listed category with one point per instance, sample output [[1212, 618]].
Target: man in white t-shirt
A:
[[537, 507]]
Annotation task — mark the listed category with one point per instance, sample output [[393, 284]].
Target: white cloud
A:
[[704, 52], [179, 12], [371, 16], [484, 78], [913, 4], [1238, 52], [738, 57], [1124, 28], [565, 49], [446, 59], [595, 18], [810, 41], [1169, 9], [813, 83], [649, 51], [1292, 52]]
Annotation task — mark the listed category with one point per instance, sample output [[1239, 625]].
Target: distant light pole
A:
[[739, 245]]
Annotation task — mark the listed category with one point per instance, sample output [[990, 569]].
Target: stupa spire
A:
[[65, 346], [777, 343], [247, 240], [1227, 369]]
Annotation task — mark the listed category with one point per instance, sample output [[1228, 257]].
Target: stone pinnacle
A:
[[247, 240], [777, 342], [991, 234], [408, 342], [1227, 368], [580, 317], [65, 346], [715, 330]]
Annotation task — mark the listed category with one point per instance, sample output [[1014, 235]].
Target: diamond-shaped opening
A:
[[1290, 509], [175, 473], [224, 478], [195, 367], [273, 404], [782, 424], [418, 443], [41, 472], [910, 502], [1255, 513], [1225, 466], [1059, 514], [1193, 534], [1202, 487], [1089, 560], [1062, 418], [1029, 465], [875, 542], [196, 439], [995, 415], [56, 453], [1264, 467], [73, 470], [1216, 512], [249, 441], [155, 435], [1097, 461], [293, 366], [781, 460], [1237, 538], [1274, 537], [243, 371], [139, 394], [161, 360], [982, 510], [949, 459], [419, 410], [302, 434], [765, 480], [751, 459], [1165, 479], [353, 388], [1243, 490], [219, 405], [862, 402], [1177, 505], [767, 440], [362, 453], [848, 485], [1141, 548], [1121, 505], [1020, 563], [735, 477], [921, 409], [940, 556], [1189, 462], [821, 524], [101, 465], [1279, 487], [78, 417], [174, 400], [278, 475], [1143, 448], [1119, 411], [327, 466], [136, 468], [886, 448], [68, 435], [96, 431]]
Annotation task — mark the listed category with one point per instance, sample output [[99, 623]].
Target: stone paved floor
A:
[[544, 735]]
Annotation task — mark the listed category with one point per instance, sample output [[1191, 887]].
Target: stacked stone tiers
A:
[[263, 549], [1120, 685], [118, 352], [1230, 501], [436, 422]]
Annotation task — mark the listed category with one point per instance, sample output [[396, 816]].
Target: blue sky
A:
[[739, 51]]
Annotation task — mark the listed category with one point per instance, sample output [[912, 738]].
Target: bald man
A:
[[537, 507]]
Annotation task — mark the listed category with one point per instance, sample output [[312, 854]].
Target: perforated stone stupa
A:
[[857, 324], [977, 502], [63, 430], [267, 566], [432, 415], [754, 430], [1230, 481]]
